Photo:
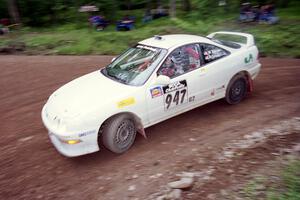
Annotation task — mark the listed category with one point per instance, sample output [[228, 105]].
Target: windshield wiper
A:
[[103, 71], [115, 77]]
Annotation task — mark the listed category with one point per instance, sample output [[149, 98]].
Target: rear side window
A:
[[182, 60], [211, 53]]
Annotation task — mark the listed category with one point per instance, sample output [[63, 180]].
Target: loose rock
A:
[[163, 197], [25, 139], [174, 194], [183, 183], [156, 175], [224, 192], [187, 174], [211, 196], [131, 188], [135, 176], [297, 148]]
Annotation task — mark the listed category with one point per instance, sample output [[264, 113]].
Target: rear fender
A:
[[248, 78]]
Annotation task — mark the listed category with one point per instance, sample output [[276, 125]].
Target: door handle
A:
[[202, 71]]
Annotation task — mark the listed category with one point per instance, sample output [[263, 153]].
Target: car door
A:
[[183, 66], [217, 65]]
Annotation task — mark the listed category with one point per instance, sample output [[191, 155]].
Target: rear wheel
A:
[[119, 133], [237, 89]]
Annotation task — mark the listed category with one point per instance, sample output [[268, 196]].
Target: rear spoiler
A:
[[249, 37]]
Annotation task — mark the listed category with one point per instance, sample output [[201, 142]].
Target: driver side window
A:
[[182, 60]]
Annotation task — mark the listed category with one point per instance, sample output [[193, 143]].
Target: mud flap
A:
[[250, 84], [142, 132], [140, 127]]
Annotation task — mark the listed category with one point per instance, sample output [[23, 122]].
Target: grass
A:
[[79, 39], [290, 187], [287, 186]]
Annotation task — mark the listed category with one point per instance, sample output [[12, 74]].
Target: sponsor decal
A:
[[156, 92], [192, 98], [174, 86], [175, 94], [214, 53], [248, 59], [126, 102], [86, 133]]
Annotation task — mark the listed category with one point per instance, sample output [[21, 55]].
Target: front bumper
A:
[[88, 139], [73, 150]]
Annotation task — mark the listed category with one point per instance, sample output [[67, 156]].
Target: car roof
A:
[[169, 41]]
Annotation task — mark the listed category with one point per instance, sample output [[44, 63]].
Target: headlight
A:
[[55, 120]]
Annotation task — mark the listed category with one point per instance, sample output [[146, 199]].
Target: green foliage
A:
[[286, 188], [44, 13], [3, 9], [280, 40], [108, 8], [290, 188], [250, 191], [79, 38], [291, 178]]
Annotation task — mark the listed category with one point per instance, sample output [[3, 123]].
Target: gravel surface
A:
[[30, 167]]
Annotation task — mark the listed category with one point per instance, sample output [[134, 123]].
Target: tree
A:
[[128, 4], [3, 9], [186, 5], [173, 8], [13, 11]]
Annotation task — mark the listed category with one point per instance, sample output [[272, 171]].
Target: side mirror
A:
[[113, 59], [162, 80]]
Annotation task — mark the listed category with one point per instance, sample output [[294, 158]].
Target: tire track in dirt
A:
[[30, 167]]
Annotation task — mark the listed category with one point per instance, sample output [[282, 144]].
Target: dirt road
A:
[[30, 167]]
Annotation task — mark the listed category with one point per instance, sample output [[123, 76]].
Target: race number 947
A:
[[175, 94], [175, 99]]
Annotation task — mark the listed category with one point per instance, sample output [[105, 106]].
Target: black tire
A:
[[119, 133], [236, 90]]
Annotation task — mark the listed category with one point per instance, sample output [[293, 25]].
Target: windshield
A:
[[135, 65]]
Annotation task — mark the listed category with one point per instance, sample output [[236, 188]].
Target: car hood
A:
[[87, 93]]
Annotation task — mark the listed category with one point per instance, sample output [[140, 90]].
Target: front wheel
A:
[[237, 90], [119, 133]]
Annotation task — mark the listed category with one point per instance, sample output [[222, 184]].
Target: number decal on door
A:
[[177, 99], [175, 94]]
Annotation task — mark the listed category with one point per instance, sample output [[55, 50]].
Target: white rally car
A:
[[157, 79]]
